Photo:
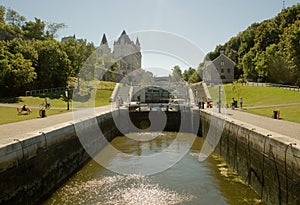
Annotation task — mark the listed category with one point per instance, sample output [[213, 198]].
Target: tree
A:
[[53, 67], [25, 47], [236, 87], [34, 30], [249, 65], [277, 66], [195, 77], [13, 18], [53, 28], [2, 14], [16, 74], [176, 73], [188, 73]]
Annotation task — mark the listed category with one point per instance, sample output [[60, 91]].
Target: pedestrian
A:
[[241, 103], [47, 103], [232, 103]]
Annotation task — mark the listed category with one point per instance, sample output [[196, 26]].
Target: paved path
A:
[[283, 127], [19, 130], [274, 105]]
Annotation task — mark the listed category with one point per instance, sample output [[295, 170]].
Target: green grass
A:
[[9, 114], [255, 96], [264, 96], [289, 113]]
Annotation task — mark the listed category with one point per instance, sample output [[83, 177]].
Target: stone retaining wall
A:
[[269, 162], [31, 168]]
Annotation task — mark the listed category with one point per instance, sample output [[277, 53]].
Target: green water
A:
[[189, 181]]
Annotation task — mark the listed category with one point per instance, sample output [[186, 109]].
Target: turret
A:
[[104, 45]]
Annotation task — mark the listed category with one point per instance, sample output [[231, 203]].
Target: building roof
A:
[[222, 55], [104, 40], [137, 41], [125, 38]]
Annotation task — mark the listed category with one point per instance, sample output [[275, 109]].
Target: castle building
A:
[[126, 53]]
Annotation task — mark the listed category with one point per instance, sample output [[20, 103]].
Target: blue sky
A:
[[205, 23]]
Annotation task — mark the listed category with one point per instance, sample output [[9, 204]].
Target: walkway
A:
[[282, 127], [20, 130], [274, 105]]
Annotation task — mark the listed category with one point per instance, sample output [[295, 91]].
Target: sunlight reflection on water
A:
[[119, 189]]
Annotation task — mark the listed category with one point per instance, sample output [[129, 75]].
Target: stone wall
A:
[[268, 162], [30, 169]]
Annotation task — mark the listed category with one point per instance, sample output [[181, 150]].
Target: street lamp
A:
[[219, 101], [67, 96]]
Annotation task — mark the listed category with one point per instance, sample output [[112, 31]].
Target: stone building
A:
[[220, 70], [126, 53]]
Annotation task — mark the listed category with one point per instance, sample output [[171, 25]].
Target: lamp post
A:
[[219, 102], [67, 96]]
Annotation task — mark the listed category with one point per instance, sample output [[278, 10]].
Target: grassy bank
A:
[[289, 113], [264, 96], [57, 101], [256, 96]]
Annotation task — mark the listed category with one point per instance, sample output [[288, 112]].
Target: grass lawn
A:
[[253, 96], [256, 96], [289, 113], [9, 114]]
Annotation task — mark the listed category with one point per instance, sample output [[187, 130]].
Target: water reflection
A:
[[187, 182]]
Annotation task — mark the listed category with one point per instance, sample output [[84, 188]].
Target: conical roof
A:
[[137, 41], [104, 40], [125, 38], [123, 33]]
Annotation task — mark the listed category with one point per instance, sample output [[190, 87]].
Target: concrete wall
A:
[[30, 169], [269, 162]]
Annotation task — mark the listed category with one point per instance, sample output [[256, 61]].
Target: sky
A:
[[203, 24]]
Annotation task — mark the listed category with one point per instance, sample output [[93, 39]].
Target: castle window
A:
[[222, 70], [222, 63], [228, 70], [222, 76]]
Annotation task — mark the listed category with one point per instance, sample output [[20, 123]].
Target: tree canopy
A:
[[268, 51], [31, 58]]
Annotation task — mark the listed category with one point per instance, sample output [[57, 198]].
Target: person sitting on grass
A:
[[24, 109]]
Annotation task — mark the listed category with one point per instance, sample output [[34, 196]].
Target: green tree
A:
[[34, 30], [249, 65], [237, 88], [78, 52], [25, 47], [53, 67], [188, 73], [195, 77], [277, 66], [13, 18], [16, 74], [53, 28], [176, 73], [2, 14]]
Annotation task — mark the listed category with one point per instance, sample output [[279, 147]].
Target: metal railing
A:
[[44, 91], [288, 87]]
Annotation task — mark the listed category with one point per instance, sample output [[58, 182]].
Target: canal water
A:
[[189, 181]]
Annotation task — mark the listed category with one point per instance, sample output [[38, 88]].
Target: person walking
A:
[[241, 103], [232, 103]]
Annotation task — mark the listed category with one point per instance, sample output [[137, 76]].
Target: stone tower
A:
[[127, 53], [104, 46]]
